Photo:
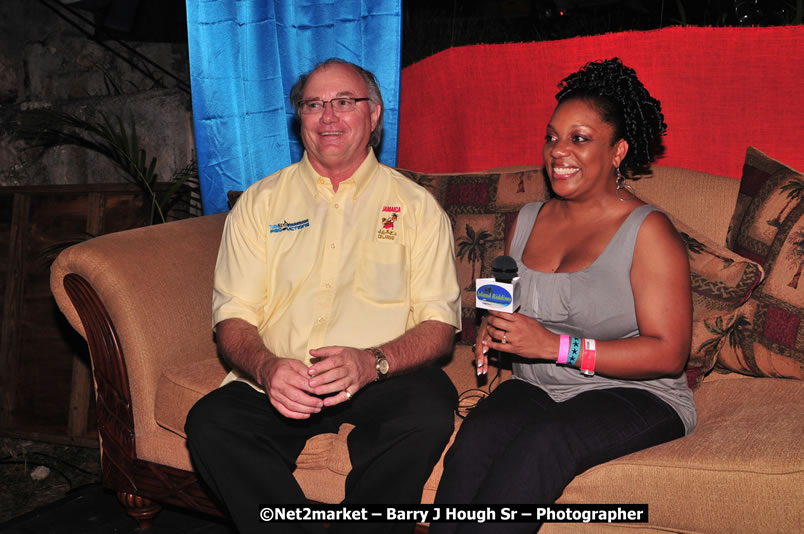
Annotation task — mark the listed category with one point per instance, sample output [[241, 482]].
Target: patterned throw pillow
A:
[[766, 335], [721, 282], [482, 208]]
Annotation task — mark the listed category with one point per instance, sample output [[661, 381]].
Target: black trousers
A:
[[246, 451], [519, 446]]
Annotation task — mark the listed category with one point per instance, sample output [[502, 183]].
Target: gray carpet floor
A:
[[56, 489], [36, 473]]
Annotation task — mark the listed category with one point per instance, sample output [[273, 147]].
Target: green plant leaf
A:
[[116, 139]]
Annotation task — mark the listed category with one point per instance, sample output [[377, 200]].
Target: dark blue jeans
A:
[[519, 446], [246, 451]]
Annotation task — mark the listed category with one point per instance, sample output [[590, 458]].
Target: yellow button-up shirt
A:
[[311, 267]]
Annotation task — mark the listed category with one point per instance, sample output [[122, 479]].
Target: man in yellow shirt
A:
[[335, 287]]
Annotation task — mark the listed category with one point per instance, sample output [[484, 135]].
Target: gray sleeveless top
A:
[[596, 302]]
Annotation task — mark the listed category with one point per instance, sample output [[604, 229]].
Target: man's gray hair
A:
[[374, 95]]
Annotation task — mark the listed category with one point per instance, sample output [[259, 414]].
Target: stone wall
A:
[[47, 62]]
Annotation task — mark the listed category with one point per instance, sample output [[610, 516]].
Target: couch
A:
[[141, 298]]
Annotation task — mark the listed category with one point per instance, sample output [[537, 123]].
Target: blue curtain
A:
[[245, 56]]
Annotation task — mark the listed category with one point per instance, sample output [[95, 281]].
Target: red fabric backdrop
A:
[[722, 89]]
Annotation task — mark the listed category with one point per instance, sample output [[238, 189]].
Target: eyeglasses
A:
[[341, 104]]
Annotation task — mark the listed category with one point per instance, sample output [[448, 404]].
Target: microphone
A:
[[500, 293], [504, 269]]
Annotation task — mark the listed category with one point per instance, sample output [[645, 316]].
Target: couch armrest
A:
[[142, 298]]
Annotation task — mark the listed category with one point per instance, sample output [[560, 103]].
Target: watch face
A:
[[382, 366]]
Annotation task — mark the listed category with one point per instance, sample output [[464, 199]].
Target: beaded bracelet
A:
[[563, 349]]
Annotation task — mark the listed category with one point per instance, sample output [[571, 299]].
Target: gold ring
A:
[[348, 395], [503, 339]]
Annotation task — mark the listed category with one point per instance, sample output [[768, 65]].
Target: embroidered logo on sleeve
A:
[[285, 226], [387, 230]]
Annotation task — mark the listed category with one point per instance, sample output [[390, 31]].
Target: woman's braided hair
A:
[[624, 103]]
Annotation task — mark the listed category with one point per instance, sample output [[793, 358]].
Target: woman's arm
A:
[[660, 280]]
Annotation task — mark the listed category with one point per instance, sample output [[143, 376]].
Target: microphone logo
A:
[[494, 295]]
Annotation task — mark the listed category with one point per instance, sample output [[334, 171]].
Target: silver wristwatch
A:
[[382, 365]]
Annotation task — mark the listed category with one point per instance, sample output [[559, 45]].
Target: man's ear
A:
[[375, 115]]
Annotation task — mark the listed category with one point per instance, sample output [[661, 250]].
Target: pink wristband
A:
[[589, 356], [563, 349]]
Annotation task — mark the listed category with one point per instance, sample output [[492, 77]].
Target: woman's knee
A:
[[493, 417], [478, 436]]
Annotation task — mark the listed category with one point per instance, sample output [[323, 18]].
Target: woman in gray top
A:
[[603, 332]]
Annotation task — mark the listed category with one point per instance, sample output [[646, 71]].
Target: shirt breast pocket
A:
[[382, 273]]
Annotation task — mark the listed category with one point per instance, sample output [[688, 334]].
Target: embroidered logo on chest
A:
[[387, 222], [285, 226]]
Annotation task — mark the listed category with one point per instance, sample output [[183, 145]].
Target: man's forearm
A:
[[240, 344], [419, 346]]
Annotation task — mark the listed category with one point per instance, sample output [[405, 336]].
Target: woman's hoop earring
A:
[[621, 185]]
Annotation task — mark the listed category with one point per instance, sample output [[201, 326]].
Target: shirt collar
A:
[[360, 178]]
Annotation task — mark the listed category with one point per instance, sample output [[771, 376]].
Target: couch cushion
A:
[[180, 387], [766, 338], [721, 282], [708, 210], [720, 478], [482, 207]]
